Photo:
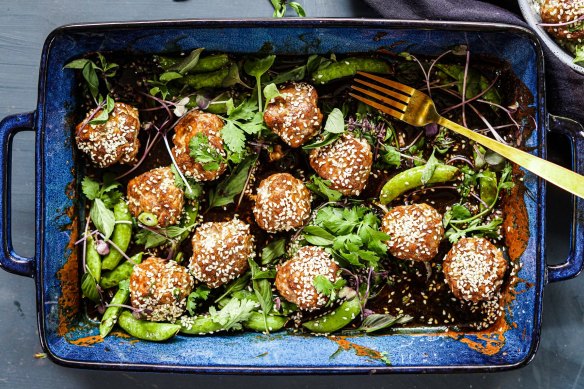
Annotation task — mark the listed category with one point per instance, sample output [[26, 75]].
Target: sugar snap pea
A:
[[206, 80], [488, 188], [256, 322], [112, 278], [337, 319], [110, 316], [204, 65], [350, 67], [199, 325], [412, 178], [93, 259], [121, 236], [147, 330]]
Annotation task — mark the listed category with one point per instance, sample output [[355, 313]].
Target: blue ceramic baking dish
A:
[[70, 339]]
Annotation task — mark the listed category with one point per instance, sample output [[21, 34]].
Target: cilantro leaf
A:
[[90, 188], [201, 293], [204, 153], [233, 136], [233, 314]]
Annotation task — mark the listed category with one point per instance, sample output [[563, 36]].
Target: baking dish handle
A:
[[573, 265], [9, 259]]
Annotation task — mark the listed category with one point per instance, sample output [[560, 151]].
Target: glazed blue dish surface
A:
[[71, 339]]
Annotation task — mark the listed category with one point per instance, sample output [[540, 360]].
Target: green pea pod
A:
[[147, 330], [206, 80], [200, 325], [112, 278], [256, 322], [204, 65], [488, 188], [93, 259], [121, 236], [412, 178], [110, 316], [350, 67], [337, 319]]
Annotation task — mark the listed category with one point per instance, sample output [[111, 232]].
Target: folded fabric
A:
[[564, 87]]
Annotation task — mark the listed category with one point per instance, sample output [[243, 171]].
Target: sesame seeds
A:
[[221, 251], [282, 203], [346, 163], [415, 230]]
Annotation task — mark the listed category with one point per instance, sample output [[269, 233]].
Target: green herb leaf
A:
[[169, 76], [296, 74], [200, 294], [89, 287], [102, 217], [322, 188], [204, 153], [230, 187], [391, 156], [91, 78], [328, 138], [233, 314], [429, 169], [335, 123], [579, 55], [297, 8], [256, 67], [326, 287], [270, 92], [101, 118], [90, 188], [274, 250], [378, 322], [77, 64], [235, 286], [188, 63]]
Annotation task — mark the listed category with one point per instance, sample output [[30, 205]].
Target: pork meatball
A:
[[193, 123], [295, 277], [221, 251], [155, 192], [282, 203], [159, 289], [294, 115], [346, 163], [111, 142], [563, 11], [474, 269], [415, 230]]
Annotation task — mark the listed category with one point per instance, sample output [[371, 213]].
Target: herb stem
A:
[[175, 164]]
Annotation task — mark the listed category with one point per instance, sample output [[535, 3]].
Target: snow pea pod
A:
[[110, 316], [204, 65], [488, 188], [112, 278], [337, 319], [200, 325], [350, 67], [412, 178], [93, 259], [206, 80], [147, 330], [256, 322], [121, 235]]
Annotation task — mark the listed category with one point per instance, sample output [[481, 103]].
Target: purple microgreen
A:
[[464, 80], [114, 246], [478, 96], [412, 142], [102, 247], [479, 199], [147, 149], [434, 62], [493, 131], [460, 158], [560, 24], [92, 115], [202, 102], [186, 182], [431, 129]]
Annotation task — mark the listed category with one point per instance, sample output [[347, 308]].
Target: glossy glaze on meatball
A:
[[346, 163], [474, 269], [155, 192], [294, 115], [564, 11], [282, 203], [221, 251], [115, 141], [159, 289], [415, 231], [193, 123], [295, 277]]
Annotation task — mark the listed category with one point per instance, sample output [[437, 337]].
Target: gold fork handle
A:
[[557, 175]]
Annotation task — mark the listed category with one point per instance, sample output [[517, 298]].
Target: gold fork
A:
[[417, 109]]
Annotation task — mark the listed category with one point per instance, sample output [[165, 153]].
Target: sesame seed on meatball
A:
[[346, 163], [294, 115], [193, 123], [295, 277], [282, 203], [564, 11], [115, 141], [221, 251], [159, 289], [474, 269], [415, 230], [155, 192]]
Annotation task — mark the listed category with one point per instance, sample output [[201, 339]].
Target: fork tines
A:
[[394, 100]]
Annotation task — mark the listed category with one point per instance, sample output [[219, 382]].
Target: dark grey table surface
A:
[[24, 24]]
